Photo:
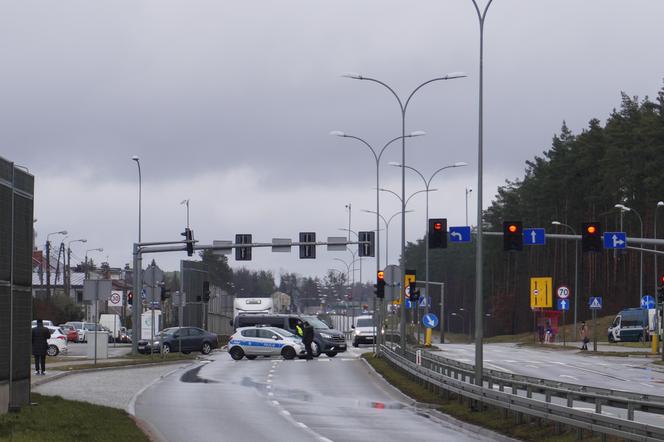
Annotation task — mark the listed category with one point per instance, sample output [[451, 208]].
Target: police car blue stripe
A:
[[256, 343]]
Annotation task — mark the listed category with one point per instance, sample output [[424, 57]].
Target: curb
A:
[[421, 407]]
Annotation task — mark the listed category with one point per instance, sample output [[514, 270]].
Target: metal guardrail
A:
[[459, 380]]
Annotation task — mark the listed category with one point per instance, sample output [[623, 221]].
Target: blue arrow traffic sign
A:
[[534, 237], [409, 303], [459, 234], [615, 240], [595, 302], [563, 304], [648, 302], [430, 320]]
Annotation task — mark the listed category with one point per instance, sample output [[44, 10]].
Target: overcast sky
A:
[[230, 104]]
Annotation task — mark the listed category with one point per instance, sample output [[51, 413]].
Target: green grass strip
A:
[[54, 419]]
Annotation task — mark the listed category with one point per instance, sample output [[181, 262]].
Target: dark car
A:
[[184, 339], [326, 340]]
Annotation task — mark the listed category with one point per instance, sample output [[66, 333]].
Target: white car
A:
[[363, 331], [264, 341], [57, 343]]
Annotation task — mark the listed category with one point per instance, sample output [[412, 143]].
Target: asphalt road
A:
[[270, 399]]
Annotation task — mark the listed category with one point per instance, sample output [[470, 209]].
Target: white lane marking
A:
[[647, 385], [272, 371], [301, 425], [532, 366], [568, 377], [499, 368], [510, 361], [275, 402], [589, 370], [270, 394], [268, 386], [131, 406], [270, 375], [324, 360], [269, 380], [285, 412], [324, 439]]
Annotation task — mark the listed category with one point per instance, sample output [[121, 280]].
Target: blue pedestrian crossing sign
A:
[[647, 302], [563, 304], [424, 301], [595, 302], [459, 234], [615, 240], [430, 320], [534, 237]]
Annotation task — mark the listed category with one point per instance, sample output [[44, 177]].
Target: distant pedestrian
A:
[[548, 333], [583, 332], [308, 338], [40, 335]]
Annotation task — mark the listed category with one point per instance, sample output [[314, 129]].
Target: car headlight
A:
[[358, 333], [156, 342], [326, 335]]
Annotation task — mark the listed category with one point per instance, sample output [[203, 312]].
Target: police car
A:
[[264, 341]]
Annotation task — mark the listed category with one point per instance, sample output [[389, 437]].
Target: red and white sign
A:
[[563, 292], [115, 300]]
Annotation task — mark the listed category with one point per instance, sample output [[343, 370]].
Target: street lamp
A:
[[68, 285], [468, 191], [186, 202], [48, 260], [387, 232], [654, 235], [624, 208], [576, 269], [427, 183], [138, 268], [407, 199], [403, 107]]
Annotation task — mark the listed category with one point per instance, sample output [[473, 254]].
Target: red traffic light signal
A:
[[437, 226], [130, 298], [512, 235], [591, 237]]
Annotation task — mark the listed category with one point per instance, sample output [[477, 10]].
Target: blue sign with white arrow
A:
[[648, 302], [563, 304], [615, 240], [595, 302], [459, 234], [534, 237], [430, 320]]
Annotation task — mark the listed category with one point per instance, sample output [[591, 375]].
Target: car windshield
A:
[[365, 322], [317, 323], [168, 331], [283, 332]]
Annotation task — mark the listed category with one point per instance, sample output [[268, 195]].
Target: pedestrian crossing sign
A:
[[595, 302]]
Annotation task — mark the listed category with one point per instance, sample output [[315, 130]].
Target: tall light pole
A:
[[654, 255], [479, 295], [48, 261], [403, 107], [427, 184], [387, 232], [186, 202], [624, 208], [68, 271], [576, 269], [138, 268]]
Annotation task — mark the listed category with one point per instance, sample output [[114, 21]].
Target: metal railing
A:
[[456, 377]]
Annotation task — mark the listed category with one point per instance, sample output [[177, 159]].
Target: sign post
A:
[[595, 304], [563, 304]]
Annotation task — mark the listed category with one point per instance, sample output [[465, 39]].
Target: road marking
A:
[[568, 377], [532, 366], [275, 402], [301, 424], [510, 361], [589, 370], [285, 412], [270, 375], [324, 360], [270, 394], [269, 380], [268, 386], [647, 385], [499, 368], [324, 439]]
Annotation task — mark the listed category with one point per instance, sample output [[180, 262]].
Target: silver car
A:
[[264, 341]]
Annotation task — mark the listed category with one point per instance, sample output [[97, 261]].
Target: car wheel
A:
[[207, 348], [288, 353], [611, 338], [251, 357], [315, 350], [165, 349], [52, 350], [331, 353], [236, 353]]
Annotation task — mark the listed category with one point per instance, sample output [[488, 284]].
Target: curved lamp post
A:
[[624, 208]]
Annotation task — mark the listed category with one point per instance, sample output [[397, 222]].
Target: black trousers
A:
[[40, 360], [307, 347]]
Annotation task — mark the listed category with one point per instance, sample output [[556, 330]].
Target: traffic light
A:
[[130, 298], [308, 251], [438, 233], [206, 291], [512, 235], [366, 246], [165, 294], [189, 237], [243, 253], [379, 286], [591, 237]]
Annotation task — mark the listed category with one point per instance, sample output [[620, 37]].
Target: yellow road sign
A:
[[541, 292], [408, 278]]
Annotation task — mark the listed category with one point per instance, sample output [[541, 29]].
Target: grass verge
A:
[[491, 418], [129, 360], [55, 419]]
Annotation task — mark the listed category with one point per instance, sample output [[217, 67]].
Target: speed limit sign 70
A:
[[563, 292]]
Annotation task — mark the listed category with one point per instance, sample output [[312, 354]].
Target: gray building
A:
[[16, 237]]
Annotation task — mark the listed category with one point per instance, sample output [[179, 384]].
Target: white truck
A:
[[112, 322], [247, 306]]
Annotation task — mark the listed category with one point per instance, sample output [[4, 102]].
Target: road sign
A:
[[97, 289], [430, 320], [563, 292], [615, 240], [116, 299], [424, 300], [541, 292], [595, 302], [409, 303], [460, 234], [563, 304], [648, 302], [409, 277], [534, 237], [144, 294]]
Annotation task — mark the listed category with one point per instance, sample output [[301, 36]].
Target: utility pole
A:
[[48, 269]]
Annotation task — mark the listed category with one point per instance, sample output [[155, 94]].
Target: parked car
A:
[[57, 343], [631, 324], [45, 321], [184, 339], [70, 331], [364, 331], [264, 341], [78, 325]]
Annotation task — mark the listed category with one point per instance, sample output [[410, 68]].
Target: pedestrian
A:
[[548, 333], [583, 332], [40, 335], [298, 328], [308, 338]]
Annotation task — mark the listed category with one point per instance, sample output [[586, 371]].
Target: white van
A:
[[112, 322]]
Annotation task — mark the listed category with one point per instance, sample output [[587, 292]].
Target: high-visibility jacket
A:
[[299, 330]]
